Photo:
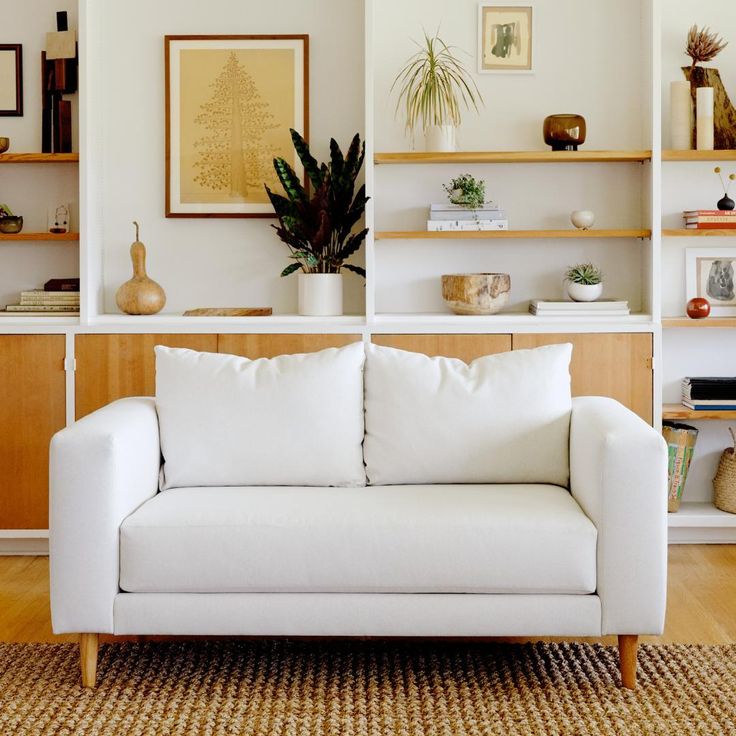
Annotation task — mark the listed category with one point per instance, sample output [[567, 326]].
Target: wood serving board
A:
[[229, 312]]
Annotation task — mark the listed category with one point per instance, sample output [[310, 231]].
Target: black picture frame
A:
[[17, 50]]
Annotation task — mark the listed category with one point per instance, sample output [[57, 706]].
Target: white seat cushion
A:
[[502, 419], [407, 539], [290, 420]]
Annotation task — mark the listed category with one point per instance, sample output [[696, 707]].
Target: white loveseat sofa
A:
[[360, 491]]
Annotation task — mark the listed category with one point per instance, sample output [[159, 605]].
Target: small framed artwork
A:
[[506, 38], [11, 79], [230, 102], [709, 273]]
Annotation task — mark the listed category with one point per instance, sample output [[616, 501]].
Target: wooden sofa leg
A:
[[628, 645], [88, 646]]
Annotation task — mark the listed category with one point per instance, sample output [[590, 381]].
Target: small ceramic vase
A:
[[582, 219], [584, 292]]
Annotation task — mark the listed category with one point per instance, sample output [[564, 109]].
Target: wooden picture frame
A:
[[11, 80], [514, 54], [216, 162], [711, 273]]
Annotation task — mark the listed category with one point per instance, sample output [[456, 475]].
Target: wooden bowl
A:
[[476, 293]]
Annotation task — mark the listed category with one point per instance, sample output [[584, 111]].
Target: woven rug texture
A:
[[297, 688]]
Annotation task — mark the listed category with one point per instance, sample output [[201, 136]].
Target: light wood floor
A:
[[701, 607]]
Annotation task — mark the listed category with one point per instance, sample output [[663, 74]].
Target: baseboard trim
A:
[[24, 542]]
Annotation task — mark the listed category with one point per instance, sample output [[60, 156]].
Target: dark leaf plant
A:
[[319, 227]]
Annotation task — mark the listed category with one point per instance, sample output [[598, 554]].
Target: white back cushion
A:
[[294, 420], [502, 419]]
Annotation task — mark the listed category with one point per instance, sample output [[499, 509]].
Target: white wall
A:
[[30, 190], [693, 186], [589, 59], [209, 262]]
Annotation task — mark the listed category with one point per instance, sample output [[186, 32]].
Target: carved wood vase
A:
[[140, 295], [724, 113]]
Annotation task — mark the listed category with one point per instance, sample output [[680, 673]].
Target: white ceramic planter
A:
[[584, 292], [320, 294], [582, 219], [441, 138]]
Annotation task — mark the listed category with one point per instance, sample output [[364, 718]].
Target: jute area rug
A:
[[366, 688]]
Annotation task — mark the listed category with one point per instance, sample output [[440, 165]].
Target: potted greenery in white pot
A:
[[584, 282], [434, 86], [319, 227]]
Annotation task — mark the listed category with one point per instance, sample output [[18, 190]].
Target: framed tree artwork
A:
[[230, 102], [11, 79]]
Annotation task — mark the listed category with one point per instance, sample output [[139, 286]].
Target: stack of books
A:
[[709, 394], [601, 308], [45, 303], [454, 217], [710, 219]]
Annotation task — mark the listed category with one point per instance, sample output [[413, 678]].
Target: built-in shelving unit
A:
[[693, 233], [722, 155], [678, 411], [508, 234], [67, 237], [718, 322], [513, 157], [39, 158]]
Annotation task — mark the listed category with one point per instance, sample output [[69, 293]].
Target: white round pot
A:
[[583, 219], [584, 292], [440, 138], [320, 294]]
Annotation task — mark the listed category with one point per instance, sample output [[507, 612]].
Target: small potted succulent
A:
[[584, 282], [466, 191]]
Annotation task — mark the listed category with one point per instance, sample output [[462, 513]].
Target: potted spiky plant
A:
[[319, 228], [434, 86], [584, 282]]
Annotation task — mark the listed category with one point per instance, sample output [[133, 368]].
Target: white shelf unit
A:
[[701, 523]]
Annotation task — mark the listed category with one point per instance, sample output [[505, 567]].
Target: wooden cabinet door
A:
[[464, 347], [111, 367], [618, 365], [32, 409], [269, 346]]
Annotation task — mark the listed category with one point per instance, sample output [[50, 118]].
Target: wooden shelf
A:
[[722, 155], [678, 411], [509, 234], [39, 158], [68, 237], [718, 322], [685, 233], [513, 157]]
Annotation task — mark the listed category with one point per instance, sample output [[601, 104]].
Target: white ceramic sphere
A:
[[582, 219], [584, 292]]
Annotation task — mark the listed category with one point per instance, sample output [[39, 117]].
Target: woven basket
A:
[[724, 484]]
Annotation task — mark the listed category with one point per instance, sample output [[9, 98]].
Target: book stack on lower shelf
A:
[[601, 309], [456, 218], [58, 298], [710, 219], [709, 394]]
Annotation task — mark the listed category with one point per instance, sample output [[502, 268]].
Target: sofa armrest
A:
[[618, 475], [101, 469]]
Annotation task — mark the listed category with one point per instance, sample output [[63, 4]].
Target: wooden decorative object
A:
[[476, 293], [724, 115], [140, 295], [229, 312]]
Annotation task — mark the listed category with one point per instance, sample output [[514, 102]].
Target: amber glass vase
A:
[[564, 132]]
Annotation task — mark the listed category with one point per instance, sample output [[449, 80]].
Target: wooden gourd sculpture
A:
[[140, 295]]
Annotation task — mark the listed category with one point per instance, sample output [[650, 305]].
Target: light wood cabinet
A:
[[269, 346], [111, 367], [618, 365], [32, 409], [464, 347]]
